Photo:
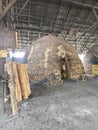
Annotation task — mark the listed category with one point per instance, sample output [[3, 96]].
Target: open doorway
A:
[[65, 68]]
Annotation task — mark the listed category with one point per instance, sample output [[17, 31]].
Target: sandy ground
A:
[[72, 106]]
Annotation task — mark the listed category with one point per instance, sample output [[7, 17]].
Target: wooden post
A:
[[11, 85]]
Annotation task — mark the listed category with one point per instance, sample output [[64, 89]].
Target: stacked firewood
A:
[[18, 84], [77, 69]]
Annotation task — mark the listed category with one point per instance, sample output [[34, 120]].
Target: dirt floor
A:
[[72, 106]]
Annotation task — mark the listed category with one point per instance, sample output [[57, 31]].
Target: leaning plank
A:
[[24, 80], [11, 85], [17, 83], [27, 80]]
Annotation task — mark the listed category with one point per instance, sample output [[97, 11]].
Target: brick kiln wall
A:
[[44, 59]]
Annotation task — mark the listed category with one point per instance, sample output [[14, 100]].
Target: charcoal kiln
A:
[[53, 59]]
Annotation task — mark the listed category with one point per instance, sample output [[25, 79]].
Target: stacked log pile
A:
[[77, 69], [18, 84], [44, 59]]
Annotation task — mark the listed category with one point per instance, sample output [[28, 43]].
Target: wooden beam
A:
[[0, 13], [0, 6], [82, 4], [22, 8], [9, 6]]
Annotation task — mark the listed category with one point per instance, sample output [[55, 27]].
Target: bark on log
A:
[[11, 85]]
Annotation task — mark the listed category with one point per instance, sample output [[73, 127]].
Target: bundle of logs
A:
[[18, 84]]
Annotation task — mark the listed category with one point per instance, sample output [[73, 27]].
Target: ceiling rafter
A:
[[22, 8], [7, 8], [85, 44], [70, 19], [82, 4]]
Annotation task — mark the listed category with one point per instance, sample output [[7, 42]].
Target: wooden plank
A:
[[11, 86], [17, 83], [24, 80]]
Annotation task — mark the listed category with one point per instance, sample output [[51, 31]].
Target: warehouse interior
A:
[[48, 64]]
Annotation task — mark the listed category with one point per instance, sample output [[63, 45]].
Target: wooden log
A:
[[17, 82], [24, 80], [11, 85]]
